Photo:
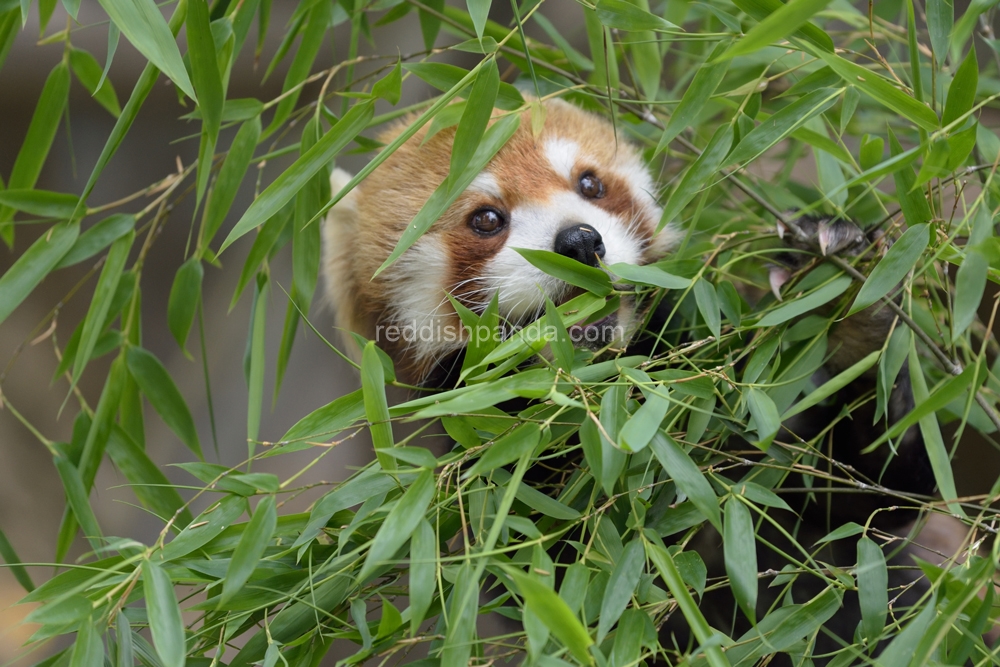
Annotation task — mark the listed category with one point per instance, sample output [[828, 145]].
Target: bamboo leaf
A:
[[164, 614], [476, 116], [34, 264], [556, 615], [624, 15], [873, 585], [185, 296], [621, 585], [143, 24], [687, 476], [296, 176], [740, 553], [400, 523], [962, 91], [208, 83], [376, 407], [89, 73], [97, 238], [250, 548], [783, 123], [159, 388], [892, 268], [592, 279], [778, 25]]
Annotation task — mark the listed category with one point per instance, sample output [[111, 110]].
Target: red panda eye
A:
[[591, 186], [487, 221]]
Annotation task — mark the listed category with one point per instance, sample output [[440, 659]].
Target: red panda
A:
[[577, 189]]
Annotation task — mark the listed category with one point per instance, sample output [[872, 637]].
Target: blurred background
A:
[[31, 497]]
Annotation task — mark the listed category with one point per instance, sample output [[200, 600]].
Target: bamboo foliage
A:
[[888, 101]]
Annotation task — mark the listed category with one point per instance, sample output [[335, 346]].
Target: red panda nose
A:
[[580, 242]]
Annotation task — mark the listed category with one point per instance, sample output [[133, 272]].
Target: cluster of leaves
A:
[[640, 442]]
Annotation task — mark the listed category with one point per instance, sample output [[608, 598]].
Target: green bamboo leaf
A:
[[231, 174], [126, 648], [113, 35], [100, 304], [89, 73], [765, 415], [376, 407], [318, 22], [453, 186], [649, 275], [155, 383], [509, 448], [97, 238], [782, 124], [88, 650], [389, 87], [42, 203], [479, 11], [446, 78], [962, 91], [927, 405], [708, 305], [675, 583], [704, 168], [34, 264], [139, 93], [576, 273], [778, 25], [38, 139], [77, 499], [912, 202], [555, 614], [833, 385], [740, 554], [13, 562], [263, 245], [370, 483], [851, 99], [423, 572], [149, 484], [206, 527], [873, 585], [624, 15], [706, 79], [892, 268], [762, 9], [208, 83], [142, 23], [400, 523], [800, 305], [686, 476], [250, 548], [185, 295], [621, 585], [940, 20], [328, 420], [164, 614], [297, 176], [476, 116], [644, 424], [561, 345], [881, 90], [970, 283], [255, 374], [872, 149]]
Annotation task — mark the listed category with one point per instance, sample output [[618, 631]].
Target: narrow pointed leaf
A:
[[250, 548], [164, 614], [159, 388]]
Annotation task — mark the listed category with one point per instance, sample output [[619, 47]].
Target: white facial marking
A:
[[523, 287], [561, 154], [486, 184], [420, 304]]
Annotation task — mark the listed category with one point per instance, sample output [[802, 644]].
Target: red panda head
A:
[[575, 189]]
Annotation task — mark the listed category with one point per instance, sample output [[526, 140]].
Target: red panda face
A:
[[575, 189]]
